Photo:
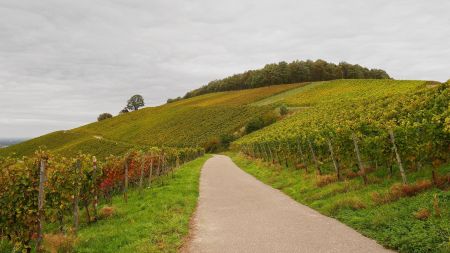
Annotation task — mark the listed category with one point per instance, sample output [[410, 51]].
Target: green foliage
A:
[[254, 124], [283, 110], [104, 116], [260, 122], [135, 102], [226, 139], [213, 145], [19, 201], [294, 72], [171, 100], [218, 144]]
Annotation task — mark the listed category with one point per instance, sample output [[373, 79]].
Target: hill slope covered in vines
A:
[[338, 113], [190, 122]]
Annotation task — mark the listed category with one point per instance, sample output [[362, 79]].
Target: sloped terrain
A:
[[190, 122]]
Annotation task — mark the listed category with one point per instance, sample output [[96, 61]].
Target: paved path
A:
[[238, 213]]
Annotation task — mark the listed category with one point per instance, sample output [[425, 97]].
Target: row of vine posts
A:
[[156, 164], [277, 154]]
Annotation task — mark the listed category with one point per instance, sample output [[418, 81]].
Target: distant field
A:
[[5, 142]]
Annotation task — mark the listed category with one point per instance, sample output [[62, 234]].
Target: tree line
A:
[[283, 73]]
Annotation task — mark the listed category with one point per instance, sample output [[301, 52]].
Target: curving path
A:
[[238, 213]]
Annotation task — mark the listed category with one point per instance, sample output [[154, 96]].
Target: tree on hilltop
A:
[[135, 102]]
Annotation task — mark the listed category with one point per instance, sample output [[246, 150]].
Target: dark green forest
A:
[[283, 72]]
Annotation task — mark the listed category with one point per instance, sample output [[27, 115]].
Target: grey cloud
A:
[[63, 62]]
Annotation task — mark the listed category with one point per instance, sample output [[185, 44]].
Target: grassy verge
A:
[[156, 221], [420, 223]]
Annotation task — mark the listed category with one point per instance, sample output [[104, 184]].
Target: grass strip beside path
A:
[[157, 221], [395, 225]]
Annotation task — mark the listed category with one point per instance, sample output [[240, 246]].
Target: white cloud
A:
[[64, 62]]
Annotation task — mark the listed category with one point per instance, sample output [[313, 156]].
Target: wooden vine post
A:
[[263, 152], [257, 151], [151, 171], [177, 164], [302, 157], [267, 152], [272, 159], [141, 175], [286, 156], [266, 155], [275, 155], [41, 200], [158, 171], [313, 155], [125, 188], [362, 170], [335, 162], [76, 208], [270, 153], [94, 161], [397, 155], [161, 168]]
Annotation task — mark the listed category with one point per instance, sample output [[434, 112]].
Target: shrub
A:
[[254, 124], [422, 214], [212, 145], [58, 243], [283, 110], [353, 203], [171, 100], [300, 166], [107, 212], [226, 139], [437, 209], [401, 190], [409, 190], [381, 198], [104, 116], [322, 180], [351, 175], [260, 122]]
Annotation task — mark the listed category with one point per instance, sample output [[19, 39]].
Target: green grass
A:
[[282, 95], [393, 225], [157, 221]]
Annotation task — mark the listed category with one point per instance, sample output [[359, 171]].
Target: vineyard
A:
[[190, 122], [47, 188], [343, 147], [342, 136]]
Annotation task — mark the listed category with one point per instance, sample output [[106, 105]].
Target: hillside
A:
[[190, 122], [365, 107], [195, 121], [283, 73]]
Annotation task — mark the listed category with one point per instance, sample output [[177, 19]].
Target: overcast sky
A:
[[62, 62]]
